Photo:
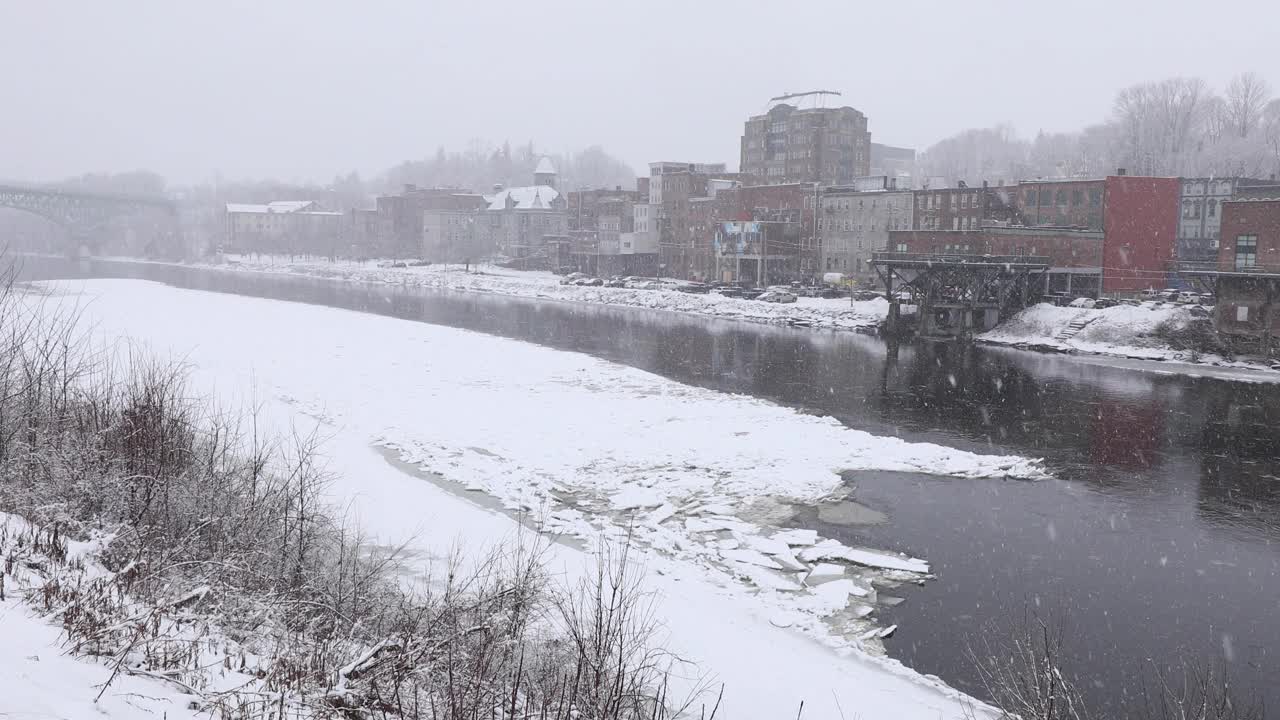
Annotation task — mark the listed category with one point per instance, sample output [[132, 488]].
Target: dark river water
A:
[[1158, 542]]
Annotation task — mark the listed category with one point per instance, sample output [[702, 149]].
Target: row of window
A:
[[1044, 197], [1192, 208]]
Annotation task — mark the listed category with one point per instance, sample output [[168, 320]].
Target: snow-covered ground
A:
[[584, 447], [832, 314], [1127, 331]]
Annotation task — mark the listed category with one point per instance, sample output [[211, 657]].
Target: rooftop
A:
[[545, 167], [531, 197]]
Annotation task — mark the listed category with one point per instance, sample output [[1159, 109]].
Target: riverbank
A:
[[828, 314], [1133, 332], [588, 449]]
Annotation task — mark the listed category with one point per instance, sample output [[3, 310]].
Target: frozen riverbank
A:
[[487, 412], [1123, 331], [832, 314]]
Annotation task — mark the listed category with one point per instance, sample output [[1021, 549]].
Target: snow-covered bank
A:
[[833, 314], [1126, 331], [588, 446]]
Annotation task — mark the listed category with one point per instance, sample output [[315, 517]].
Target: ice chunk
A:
[[823, 551], [789, 561], [797, 537], [768, 546], [823, 572], [751, 557], [657, 517], [634, 497], [885, 561]]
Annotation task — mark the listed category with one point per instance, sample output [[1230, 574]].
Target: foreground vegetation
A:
[[167, 540]]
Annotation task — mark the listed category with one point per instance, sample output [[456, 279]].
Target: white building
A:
[[285, 226]]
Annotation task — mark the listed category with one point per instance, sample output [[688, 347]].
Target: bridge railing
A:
[[963, 258], [1210, 268]]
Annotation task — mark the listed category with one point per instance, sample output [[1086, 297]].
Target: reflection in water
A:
[[1159, 537]]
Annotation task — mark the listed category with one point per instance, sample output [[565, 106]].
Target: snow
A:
[[830, 314], [545, 167], [1124, 330], [409, 415], [529, 197]]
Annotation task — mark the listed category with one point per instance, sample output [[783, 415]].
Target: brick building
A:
[[1200, 214], [1140, 224], [962, 208], [1247, 276], [788, 144]]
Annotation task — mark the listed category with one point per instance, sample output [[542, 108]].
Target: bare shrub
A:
[[1022, 674]]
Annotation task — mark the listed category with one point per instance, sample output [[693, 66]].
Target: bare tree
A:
[[1247, 95]]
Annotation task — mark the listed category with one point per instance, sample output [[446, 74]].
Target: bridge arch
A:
[[87, 215]]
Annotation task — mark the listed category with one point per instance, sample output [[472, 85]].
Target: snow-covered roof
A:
[[279, 206], [289, 205], [545, 167], [532, 197]]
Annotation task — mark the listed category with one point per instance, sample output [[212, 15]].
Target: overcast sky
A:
[[305, 89]]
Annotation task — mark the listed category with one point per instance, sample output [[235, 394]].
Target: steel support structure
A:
[[958, 295]]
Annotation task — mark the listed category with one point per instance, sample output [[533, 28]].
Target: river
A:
[[1159, 539]]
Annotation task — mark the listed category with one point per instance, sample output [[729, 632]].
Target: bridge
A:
[[957, 295], [143, 224]]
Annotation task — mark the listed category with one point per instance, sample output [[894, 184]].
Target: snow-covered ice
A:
[[567, 438], [833, 314]]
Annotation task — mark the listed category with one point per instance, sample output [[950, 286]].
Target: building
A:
[[760, 233], [603, 224], [451, 228], [965, 208], [855, 220], [894, 162], [788, 144], [1140, 224], [293, 227], [365, 234], [1062, 203], [1200, 215], [1074, 254], [672, 188], [403, 216], [519, 221], [1246, 276]]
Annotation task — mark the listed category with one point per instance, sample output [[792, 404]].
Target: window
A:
[[1095, 197], [1046, 197], [1242, 313], [1213, 208], [1077, 197], [1062, 197], [1246, 251], [1031, 198]]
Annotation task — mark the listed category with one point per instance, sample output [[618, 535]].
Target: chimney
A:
[[1121, 172]]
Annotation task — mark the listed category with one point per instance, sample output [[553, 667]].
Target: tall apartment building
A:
[[788, 144]]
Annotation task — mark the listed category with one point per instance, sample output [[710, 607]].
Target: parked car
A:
[[1082, 302], [1102, 303], [864, 295], [616, 282], [697, 288], [1187, 297], [572, 278], [777, 296]]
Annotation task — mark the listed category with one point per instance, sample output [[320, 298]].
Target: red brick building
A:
[[1248, 273], [963, 208], [1140, 223]]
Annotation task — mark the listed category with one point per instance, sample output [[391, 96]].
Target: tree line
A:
[[1179, 126]]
